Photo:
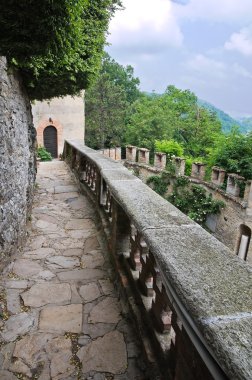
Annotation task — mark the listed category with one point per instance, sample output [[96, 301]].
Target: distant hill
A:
[[227, 122]]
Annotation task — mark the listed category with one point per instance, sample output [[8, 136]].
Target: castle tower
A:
[[57, 120]]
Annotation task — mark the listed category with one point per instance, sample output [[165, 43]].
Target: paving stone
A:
[[89, 292], [30, 349], [106, 311], [26, 268], [42, 294], [43, 225], [91, 244], [68, 243], [44, 275], [65, 196], [17, 284], [76, 298], [37, 242], [89, 261], [84, 340], [79, 234], [20, 367], [98, 329], [80, 224], [17, 325], [13, 300], [6, 355], [40, 253], [45, 216], [6, 375], [57, 262], [65, 189], [102, 356], [61, 319], [107, 287], [60, 352], [81, 274], [72, 252]]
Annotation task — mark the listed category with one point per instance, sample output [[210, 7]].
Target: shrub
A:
[[43, 154]]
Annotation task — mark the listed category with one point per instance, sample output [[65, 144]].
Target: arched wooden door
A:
[[51, 140]]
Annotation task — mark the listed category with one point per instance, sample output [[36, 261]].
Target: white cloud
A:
[[146, 24], [216, 10], [241, 71], [241, 41], [205, 66]]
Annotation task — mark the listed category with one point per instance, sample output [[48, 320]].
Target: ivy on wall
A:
[[56, 45], [191, 199]]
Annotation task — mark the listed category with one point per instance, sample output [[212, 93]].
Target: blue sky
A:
[[201, 45]]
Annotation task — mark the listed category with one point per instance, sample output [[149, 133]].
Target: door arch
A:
[[51, 140]]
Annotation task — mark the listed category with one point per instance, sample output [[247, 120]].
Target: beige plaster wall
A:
[[67, 112]]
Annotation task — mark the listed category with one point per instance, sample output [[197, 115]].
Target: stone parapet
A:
[[198, 170], [160, 160], [234, 182], [196, 292], [131, 152], [218, 176], [179, 164], [143, 156]]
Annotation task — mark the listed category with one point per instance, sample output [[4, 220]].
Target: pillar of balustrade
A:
[[234, 182], [160, 160], [112, 153], [198, 170], [143, 156], [179, 164], [218, 176], [118, 154], [131, 152]]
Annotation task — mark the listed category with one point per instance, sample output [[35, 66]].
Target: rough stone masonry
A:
[[17, 161]]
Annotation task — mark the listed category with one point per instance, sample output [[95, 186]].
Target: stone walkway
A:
[[60, 314]]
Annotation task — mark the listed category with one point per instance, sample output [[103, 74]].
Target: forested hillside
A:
[[227, 122]]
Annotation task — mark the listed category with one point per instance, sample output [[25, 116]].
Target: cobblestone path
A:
[[60, 314]]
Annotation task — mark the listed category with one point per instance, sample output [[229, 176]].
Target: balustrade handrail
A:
[[183, 268]]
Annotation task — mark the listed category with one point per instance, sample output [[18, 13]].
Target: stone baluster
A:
[[135, 241]]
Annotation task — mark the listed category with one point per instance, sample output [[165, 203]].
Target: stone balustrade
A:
[[195, 293]]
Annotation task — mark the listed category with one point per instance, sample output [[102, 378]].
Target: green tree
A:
[[56, 45], [121, 76], [173, 115], [107, 104], [233, 152]]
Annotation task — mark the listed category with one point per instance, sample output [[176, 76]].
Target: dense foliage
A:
[[193, 200], [108, 102], [57, 45], [43, 154], [173, 115], [233, 152]]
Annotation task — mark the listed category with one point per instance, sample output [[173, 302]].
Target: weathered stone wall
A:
[[225, 226], [17, 161]]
